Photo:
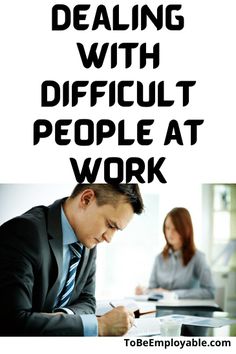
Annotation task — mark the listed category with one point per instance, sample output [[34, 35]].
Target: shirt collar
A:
[[177, 254], [68, 234]]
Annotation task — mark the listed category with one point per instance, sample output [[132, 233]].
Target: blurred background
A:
[[128, 260]]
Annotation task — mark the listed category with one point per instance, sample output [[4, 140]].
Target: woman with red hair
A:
[[180, 267]]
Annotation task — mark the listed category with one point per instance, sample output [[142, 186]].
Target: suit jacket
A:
[[30, 270]]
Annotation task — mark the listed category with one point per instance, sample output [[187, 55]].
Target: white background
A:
[[203, 51]]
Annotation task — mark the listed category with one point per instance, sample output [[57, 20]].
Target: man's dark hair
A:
[[111, 194]]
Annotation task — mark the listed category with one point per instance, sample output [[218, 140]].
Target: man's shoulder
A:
[[36, 211], [36, 215], [28, 220]]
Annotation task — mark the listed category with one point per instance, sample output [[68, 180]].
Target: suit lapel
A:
[[56, 244]]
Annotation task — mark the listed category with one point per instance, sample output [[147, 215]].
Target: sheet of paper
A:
[[145, 326], [139, 297], [104, 306]]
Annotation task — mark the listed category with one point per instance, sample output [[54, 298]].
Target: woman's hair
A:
[[182, 221]]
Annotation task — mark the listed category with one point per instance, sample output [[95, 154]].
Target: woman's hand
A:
[[159, 290], [140, 290]]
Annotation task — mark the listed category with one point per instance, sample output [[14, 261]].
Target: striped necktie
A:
[[76, 251]]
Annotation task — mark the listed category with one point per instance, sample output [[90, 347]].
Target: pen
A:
[[113, 306], [138, 313]]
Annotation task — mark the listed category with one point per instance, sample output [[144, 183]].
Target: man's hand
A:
[[116, 322]]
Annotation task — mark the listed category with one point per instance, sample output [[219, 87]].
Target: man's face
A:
[[94, 224]]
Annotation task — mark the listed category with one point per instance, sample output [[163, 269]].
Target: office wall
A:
[[128, 260]]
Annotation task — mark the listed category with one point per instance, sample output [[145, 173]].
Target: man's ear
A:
[[86, 197]]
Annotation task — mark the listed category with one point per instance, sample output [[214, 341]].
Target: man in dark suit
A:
[[35, 263]]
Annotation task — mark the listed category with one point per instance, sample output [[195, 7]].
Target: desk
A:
[[225, 331], [202, 308], [179, 305], [188, 305]]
